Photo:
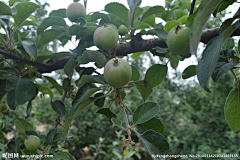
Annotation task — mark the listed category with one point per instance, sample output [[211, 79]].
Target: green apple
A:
[[75, 11], [32, 143], [178, 40], [117, 72], [122, 30], [106, 37]]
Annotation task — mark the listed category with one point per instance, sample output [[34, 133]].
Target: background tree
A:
[[29, 52]]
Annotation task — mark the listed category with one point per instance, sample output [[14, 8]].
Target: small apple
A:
[[32, 143], [178, 40], [117, 72], [3, 107], [75, 11], [106, 37], [122, 30], [235, 83]]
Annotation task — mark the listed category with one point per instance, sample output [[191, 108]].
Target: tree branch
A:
[[192, 7], [137, 44]]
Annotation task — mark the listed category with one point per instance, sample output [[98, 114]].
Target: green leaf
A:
[[145, 92], [50, 136], [92, 56], [150, 21], [2, 86], [5, 9], [100, 102], [231, 109], [67, 84], [83, 94], [30, 47], [97, 15], [207, 64], [58, 13], [155, 143], [24, 9], [22, 126], [45, 89], [117, 122], [69, 120], [154, 124], [91, 79], [174, 62], [28, 23], [145, 112], [59, 107], [205, 10], [155, 75], [48, 36], [50, 21], [107, 112], [69, 67], [133, 3], [158, 32], [189, 72], [54, 84], [170, 24], [119, 10], [136, 55], [20, 90], [153, 10], [135, 73], [222, 67], [81, 31]]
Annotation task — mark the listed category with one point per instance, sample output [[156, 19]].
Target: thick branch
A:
[[137, 44]]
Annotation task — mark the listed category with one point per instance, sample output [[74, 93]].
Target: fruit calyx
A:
[[115, 64]]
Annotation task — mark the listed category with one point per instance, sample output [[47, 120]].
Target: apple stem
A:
[[177, 28], [104, 25]]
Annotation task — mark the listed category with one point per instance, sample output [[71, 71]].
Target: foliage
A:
[[25, 57]]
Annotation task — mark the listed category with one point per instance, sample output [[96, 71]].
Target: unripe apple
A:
[[75, 11], [106, 37], [32, 143], [235, 83], [122, 30], [117, 72], [178, 40], [3, 107]]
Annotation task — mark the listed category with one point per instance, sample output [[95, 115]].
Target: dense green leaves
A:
[[145, 112], [155, 75], [153, 10], [20, 90], [133, 4], [24, 11], [231, 109]]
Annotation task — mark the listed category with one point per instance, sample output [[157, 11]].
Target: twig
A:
[[192, 7]]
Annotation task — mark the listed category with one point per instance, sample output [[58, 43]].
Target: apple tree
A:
[[25, 58]]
